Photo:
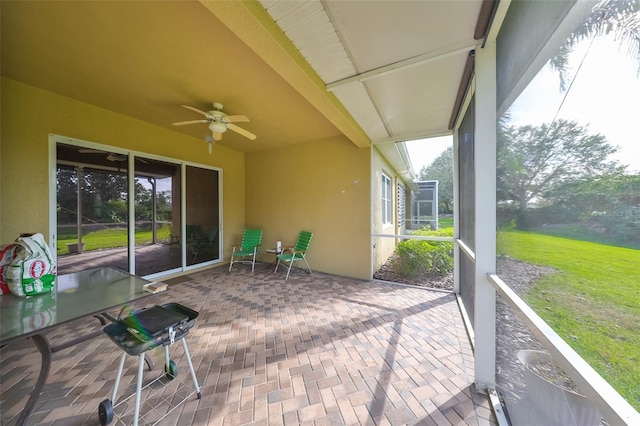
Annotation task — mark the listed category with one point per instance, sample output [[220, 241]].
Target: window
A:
[[386, 200]]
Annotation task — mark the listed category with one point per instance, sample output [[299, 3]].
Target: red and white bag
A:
[[6, 256], [32, 269]]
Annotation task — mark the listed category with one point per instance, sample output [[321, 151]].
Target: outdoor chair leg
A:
[[288, 270], [231, 263], [306, 263], [256, 252]]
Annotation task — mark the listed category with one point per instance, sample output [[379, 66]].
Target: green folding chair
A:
[[296, 253], [248, 249]]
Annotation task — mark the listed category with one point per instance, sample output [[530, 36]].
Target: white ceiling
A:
[[395, 66]]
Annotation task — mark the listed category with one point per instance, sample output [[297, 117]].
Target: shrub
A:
[[547, 215], [621, 223], [414, 257]]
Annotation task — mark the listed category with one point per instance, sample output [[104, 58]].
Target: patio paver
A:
[[315, 350]]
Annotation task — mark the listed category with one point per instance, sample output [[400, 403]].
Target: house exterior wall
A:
[[322, 187], [29, 115], [382, 247]]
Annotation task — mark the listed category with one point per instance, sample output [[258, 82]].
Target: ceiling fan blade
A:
[[217, 136], [236, 119], [197, 110], [117, 157], [242, 131], [182, 123]]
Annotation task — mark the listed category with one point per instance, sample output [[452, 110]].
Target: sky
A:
[[422, 152], [605, 96]]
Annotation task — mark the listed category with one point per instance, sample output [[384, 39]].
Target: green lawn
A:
[[109, 238], [593, 302], [445, 222], [584, 233]]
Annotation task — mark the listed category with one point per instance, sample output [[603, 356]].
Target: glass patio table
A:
[[91, 292]]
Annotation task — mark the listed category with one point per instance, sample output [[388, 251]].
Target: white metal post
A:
[[131, 189], [485, 216], [456, 213]]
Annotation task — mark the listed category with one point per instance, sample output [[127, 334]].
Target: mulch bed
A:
[[431, 280]]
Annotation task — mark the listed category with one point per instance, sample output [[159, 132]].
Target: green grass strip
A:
[[593, 301], [110, 238]]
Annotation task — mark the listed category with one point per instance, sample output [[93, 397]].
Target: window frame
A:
[[386, 200]]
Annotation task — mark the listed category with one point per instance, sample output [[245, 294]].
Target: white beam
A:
[[131, 243], [456, 215], [406, 137], [485, 216], [400, 65], [498, 19]]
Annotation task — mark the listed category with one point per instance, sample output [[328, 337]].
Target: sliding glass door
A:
[[202, 215], [157, 198], [91, 209], [142, 228]]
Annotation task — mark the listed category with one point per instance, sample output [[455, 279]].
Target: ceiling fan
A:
[[218, 122], [110, 155]]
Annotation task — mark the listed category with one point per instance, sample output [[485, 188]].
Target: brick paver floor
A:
[[315, 350]]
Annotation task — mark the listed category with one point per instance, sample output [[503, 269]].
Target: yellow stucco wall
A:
[[383, 247], [322, 187], [29, 115]]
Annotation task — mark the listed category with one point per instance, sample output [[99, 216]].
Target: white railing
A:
[[414, 237], [615, 409]]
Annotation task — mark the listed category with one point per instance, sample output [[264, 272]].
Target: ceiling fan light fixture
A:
[[210, 141], [117, 157], [217, 127], [218, 122]]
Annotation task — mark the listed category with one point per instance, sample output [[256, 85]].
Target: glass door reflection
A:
[[157, 208], [202, 215]]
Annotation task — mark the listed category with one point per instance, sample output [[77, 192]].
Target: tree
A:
[[618, 17], [608, 193], [67, 195], [441, 169], [144, 202], [609, 204], [534, 159], [163, 206], [99, 189]]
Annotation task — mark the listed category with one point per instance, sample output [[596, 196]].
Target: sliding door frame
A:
[[54, 140]]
